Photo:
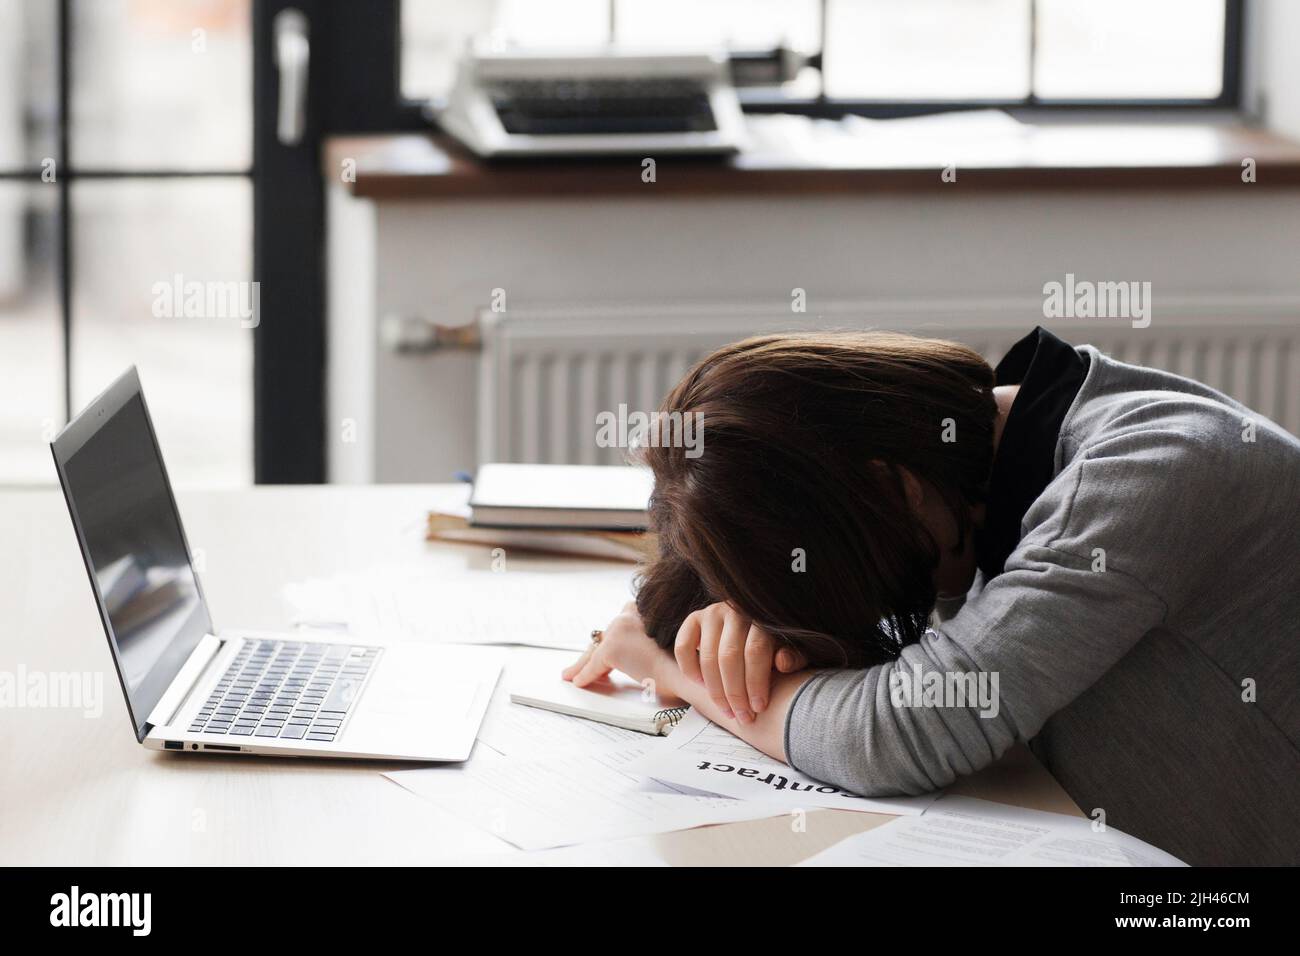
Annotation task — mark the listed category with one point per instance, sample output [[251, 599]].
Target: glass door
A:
[[162, 205], [126, 224]]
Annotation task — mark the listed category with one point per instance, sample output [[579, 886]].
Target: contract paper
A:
[[963, 831], [472, 607], [702, 755], [569, 798]]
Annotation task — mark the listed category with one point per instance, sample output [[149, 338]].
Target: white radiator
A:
[[545, 376]]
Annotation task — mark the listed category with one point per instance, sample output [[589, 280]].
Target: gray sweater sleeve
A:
[[1033, 639]]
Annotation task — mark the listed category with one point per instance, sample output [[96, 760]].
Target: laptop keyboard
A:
[[293, 690]]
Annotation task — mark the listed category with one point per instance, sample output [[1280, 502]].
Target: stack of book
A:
[[596, 511]]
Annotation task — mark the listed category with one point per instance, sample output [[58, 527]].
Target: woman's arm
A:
[[766, 730], [625, 646]]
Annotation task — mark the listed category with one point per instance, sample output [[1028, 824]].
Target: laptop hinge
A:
[[184, 681]]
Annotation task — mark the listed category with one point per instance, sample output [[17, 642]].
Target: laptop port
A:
[[220, 747], [173, 745]]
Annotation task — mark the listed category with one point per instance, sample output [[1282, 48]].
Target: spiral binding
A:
[[673, 715]]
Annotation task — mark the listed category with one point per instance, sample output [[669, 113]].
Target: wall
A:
[[1232, 251]]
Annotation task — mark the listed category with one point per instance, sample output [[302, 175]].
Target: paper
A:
[[963, 831], [960, 125], [570, 798], [518, 731], [474, 607], [702, 755], [632, 852], [966, 138]]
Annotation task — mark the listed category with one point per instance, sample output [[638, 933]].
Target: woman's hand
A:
[[709, 644], [733, 658], [624, 646]]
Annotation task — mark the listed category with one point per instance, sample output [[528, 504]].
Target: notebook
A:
[[612, 497], [616, 700]]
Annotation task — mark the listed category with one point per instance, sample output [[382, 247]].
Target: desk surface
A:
[[80, 791], [792, 156]]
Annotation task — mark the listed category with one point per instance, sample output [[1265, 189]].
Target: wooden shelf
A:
[[794, 156]]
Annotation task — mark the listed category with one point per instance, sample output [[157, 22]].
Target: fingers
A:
[[593, 670], [711, 625], [686, 647], [569, 672], [591, 665], [788, 660], [731, 664], [759, 651], [720, 648]]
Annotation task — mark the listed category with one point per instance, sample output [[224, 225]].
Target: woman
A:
[[1108, 553]]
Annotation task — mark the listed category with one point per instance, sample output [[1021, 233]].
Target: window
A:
[[1167, 49], [882, 52], [125, 155]]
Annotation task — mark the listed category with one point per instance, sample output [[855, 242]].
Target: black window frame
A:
[[824, 107], [67, 172]]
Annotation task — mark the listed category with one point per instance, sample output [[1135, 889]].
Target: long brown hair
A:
[[794, 510]]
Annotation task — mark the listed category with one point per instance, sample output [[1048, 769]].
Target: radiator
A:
[[545, 375]]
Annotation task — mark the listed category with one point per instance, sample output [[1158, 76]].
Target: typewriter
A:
[[604, 102]]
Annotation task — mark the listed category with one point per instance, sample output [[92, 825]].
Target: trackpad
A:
[[403, 688], [424, 702]]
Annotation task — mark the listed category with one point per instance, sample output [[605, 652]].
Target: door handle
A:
[[292, 54]]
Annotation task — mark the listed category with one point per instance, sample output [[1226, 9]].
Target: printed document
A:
[[702, 755], [963, 831], [567, 798], [474, 607]]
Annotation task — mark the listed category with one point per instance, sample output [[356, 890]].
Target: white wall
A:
[[1230, 251]]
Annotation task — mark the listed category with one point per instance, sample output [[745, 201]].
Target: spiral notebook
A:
[[619, 701]]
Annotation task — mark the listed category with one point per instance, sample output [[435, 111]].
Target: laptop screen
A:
[[133, 544]]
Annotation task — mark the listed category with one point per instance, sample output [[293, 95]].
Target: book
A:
[[584, 497], [615, 700], [629, 546]]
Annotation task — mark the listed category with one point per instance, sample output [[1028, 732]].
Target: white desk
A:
[[80, 791]]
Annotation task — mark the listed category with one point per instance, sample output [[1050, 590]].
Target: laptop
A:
[[191, 687]]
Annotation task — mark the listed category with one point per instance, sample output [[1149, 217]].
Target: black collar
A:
[[1049, 373]]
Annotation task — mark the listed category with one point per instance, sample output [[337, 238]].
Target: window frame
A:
[[824, 107], [1229, 97], [68, 172]]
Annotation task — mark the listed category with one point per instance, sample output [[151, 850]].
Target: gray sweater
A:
[[1144, 637]]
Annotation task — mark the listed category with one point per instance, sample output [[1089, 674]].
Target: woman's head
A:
[[838, 471]]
